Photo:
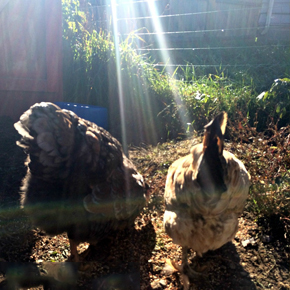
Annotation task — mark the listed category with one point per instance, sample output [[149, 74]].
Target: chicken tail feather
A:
[[212, 167], [214, 132]]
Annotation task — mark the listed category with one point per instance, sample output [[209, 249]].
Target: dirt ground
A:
[[258, 257]]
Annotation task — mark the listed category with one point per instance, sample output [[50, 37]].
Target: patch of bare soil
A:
[[258, 257]]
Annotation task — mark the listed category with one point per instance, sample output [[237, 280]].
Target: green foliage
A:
[[266, 155], [201, 98], [238, 59], [275, 103], [90, 76], [87, 58], [158, 106]]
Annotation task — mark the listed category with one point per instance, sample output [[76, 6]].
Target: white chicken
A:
[[205, 193]]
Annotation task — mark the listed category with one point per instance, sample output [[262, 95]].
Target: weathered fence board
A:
[[195, 19], [30, 45]]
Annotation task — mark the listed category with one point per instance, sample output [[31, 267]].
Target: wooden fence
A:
[[197, 18], [199, 25], [275, 20]]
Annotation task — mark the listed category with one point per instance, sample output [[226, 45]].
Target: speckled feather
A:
[[78, 178]]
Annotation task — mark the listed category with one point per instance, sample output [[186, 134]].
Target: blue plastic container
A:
[[98, 115]]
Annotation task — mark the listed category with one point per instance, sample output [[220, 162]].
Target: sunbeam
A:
[[165, 55], [119, 76]]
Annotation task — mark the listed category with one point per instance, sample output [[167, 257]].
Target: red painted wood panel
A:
[[31, 60]]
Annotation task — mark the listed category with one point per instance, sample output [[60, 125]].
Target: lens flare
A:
[[119, 76], [144, 105]]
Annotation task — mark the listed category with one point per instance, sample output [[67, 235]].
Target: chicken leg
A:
[[73, 251]]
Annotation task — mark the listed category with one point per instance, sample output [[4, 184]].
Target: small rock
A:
[[156, 285], [266, 239], [163, 282], [248, 242], [157, 268]]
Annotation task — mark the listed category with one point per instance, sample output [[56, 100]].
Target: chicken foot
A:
[[187, 273]]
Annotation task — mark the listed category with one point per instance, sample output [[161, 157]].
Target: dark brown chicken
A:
[[205, 194], [78, 180]]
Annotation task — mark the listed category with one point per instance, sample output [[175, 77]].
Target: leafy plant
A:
[[267, 157], [276, 102], [90, 69]]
